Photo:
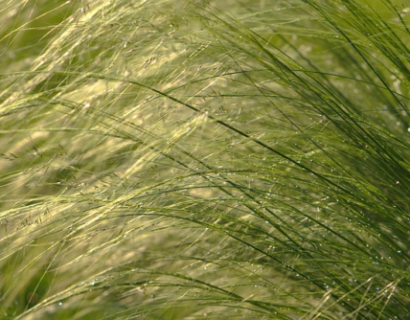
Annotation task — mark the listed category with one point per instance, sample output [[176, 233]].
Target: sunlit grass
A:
[[204, 160]]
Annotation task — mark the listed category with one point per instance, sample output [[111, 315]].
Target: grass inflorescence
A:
[[205, 159]]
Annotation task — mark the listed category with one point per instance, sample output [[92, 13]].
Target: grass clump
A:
[[204, 160]]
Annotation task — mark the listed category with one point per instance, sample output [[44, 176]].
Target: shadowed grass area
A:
[[204, 160]]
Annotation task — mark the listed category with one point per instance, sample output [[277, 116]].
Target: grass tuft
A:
[[204, 160]]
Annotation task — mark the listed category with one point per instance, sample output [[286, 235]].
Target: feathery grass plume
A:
[[204, 159]]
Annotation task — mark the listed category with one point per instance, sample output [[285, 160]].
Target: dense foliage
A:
[[174, 159]]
